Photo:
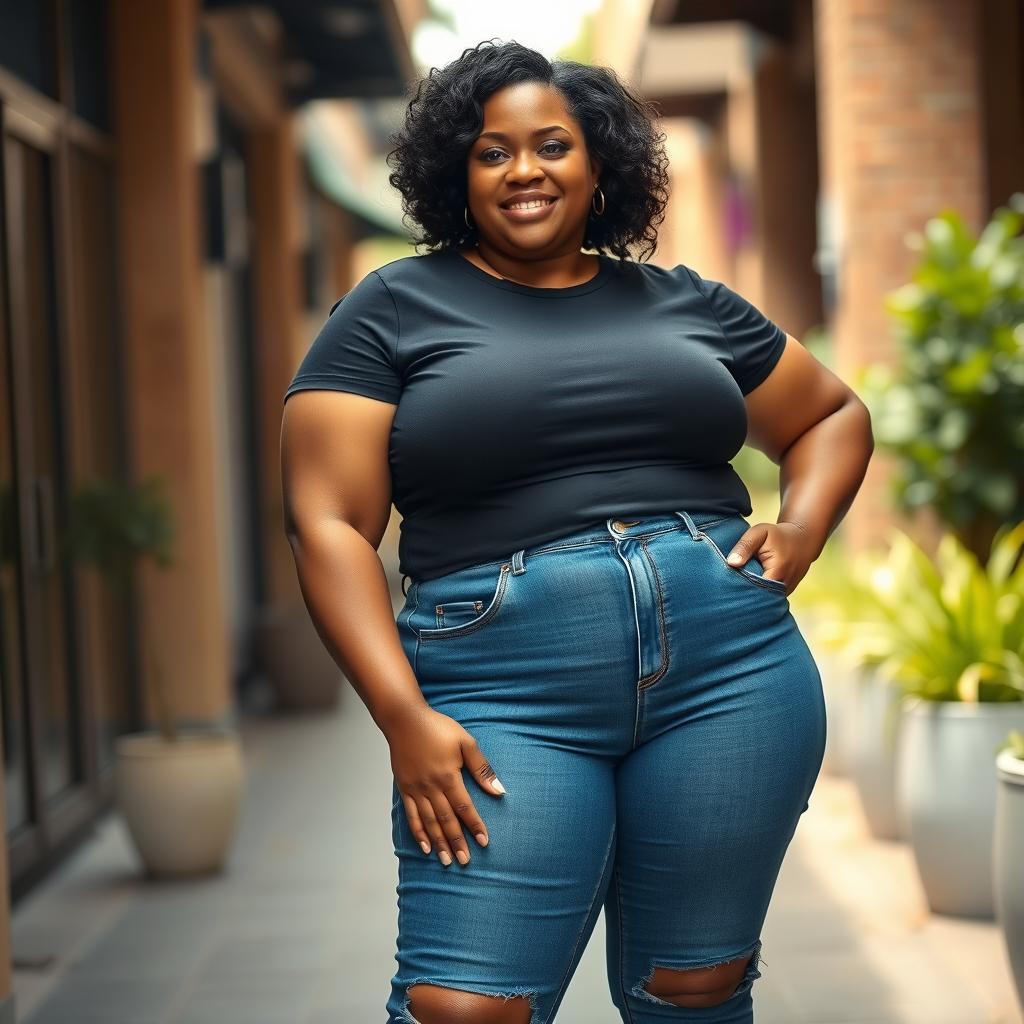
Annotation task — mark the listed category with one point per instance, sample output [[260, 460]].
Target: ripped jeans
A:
[[657, 720]]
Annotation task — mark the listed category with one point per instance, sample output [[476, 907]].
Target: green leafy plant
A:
[[114, 524], [1015, 744], [948, 630], [950, 410]]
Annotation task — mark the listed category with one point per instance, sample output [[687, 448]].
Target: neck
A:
[[552, 272]]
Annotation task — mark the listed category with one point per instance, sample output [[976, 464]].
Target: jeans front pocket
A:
[[721, 537], [459, 603], [457, 613]]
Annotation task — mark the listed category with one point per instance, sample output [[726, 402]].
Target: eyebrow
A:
[[539, 131]]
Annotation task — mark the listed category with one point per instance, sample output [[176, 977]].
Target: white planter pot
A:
[[180, 799], [947, 790], [874, 743], [1008, 862], [838, 688]]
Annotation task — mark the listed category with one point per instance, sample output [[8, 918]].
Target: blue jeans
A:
[[658, 723]]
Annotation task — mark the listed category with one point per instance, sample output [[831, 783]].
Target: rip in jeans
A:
[[410, 1019], [640, 990]]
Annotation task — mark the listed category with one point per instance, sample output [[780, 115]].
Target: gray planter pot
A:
[[293, 658], [874, 745], [947, 790], [1008, 862]]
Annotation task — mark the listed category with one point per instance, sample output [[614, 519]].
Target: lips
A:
[[533, 210], [531, 196], [529, 204]]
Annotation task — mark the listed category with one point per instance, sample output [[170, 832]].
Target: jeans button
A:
[[617, 526]]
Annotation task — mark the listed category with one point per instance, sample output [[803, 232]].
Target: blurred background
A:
[[195, 801]]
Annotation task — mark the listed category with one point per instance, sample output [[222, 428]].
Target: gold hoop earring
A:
[[465, 216], [592, 206]]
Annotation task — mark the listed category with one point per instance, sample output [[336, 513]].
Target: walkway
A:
[[300, 929]]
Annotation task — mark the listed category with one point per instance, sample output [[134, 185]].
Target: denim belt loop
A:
[[690, 524], [518, 567], [405, 591]]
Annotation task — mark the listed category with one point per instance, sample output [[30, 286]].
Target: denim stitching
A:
[[636, 617], [638, 717], [566, 547], [712, 522], [607, 540], [593, 902], [415, 632], [775, 586], [579, 544], [451, 607], [648, 681], [470, 627]]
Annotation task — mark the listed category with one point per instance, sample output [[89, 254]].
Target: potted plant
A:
[[178, 790], [957, 650], [1008, 854], [949, 412]]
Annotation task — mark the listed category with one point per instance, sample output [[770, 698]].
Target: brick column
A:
[[900, 138], [169, 374]]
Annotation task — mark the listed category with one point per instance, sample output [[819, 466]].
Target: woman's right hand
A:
[[428, 753]]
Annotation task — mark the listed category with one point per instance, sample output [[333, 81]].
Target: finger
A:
[[415, 823], [474, 759], [434, 829], [462, 804], [449, 820], [751, 541]]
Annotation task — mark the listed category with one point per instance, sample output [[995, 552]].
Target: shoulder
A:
[[379, 287], [657, 281], [653, 273], [412, 270]]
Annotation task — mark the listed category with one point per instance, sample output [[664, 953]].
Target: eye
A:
[[561, 147]]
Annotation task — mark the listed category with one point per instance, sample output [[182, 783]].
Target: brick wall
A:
[[900, 126]]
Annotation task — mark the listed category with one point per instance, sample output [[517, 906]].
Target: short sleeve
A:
[[357, 348], [756, 343]]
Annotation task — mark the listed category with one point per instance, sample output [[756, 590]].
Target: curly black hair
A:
[[445, 115]]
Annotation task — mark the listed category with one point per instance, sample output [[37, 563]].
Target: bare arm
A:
[[816, 429], [337, 497]]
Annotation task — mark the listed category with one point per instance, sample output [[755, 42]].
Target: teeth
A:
[[531, 205]]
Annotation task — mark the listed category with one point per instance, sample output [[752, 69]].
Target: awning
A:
[[337, 49], [366, 192]]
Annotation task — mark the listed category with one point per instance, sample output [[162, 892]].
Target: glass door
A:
[[51, 720]]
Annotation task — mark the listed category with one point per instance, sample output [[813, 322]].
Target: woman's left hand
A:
[[783, 549]]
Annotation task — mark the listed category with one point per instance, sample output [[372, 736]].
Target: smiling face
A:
[[530, 143]]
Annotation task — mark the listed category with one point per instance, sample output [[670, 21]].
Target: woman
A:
[[593, 633]]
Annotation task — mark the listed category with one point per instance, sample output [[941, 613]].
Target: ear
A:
[[595, 169]]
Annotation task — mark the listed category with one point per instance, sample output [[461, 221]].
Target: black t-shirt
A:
[[526, 413]]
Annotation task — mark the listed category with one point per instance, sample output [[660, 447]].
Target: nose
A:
[[523, 167]]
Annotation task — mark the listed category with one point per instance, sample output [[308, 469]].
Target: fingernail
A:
[[462, 856], [481, 838], [425, 846], [734, 559], [497, 785], [446, 857]]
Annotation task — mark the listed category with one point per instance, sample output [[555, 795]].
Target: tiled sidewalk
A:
[[300, 929]]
